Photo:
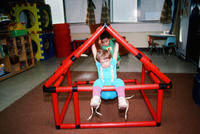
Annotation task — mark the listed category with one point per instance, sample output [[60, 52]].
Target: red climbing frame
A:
[[74, 89]]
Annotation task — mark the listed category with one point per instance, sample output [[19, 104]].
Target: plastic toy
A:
[[76, 87], [39, 16], [43, 45]]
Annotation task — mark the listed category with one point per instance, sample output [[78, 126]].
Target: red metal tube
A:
[[109, 88], [68, 125], [90, 41], [156, 71], [67, 62], [91, 82], [58, 73], [55, 102], [55, 109], [159, 105], [118, 124], [143, 74], [111, 124], [154, 78], [159, 98], [62, 115], [84, 82], [59, 81], [149, 105], [63, 112], [122, 41], [76, 108], [130, 81], [134, 51]]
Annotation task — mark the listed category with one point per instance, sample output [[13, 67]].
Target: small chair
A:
[[170, 43], [152, 44], [77, 43]]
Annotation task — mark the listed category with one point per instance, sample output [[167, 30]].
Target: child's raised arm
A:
[[115, 54], [94, 51]]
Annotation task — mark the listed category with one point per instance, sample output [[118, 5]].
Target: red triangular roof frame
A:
[[76, 54]]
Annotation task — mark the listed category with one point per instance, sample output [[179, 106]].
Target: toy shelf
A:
[[16, 54]]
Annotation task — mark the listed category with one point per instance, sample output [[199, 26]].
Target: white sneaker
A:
[[95, 101], [122, 103]]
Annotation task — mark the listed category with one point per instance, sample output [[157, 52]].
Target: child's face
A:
[[105, 63], [105, 42]]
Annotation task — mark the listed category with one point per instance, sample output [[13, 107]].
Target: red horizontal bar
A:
[[91, 82], [68, 125], [111, 124], [108, 88], [84, 82]]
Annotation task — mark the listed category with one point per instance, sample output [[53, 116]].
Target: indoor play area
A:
[[74, 88], [99, 66]]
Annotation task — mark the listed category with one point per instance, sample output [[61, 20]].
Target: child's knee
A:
[[98, 83], [119, 82]]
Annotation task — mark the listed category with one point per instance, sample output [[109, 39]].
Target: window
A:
[[75, 11], [124, 10], [149, 10], [120, 10]]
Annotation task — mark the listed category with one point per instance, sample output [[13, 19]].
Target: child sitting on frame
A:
[[106, 66]]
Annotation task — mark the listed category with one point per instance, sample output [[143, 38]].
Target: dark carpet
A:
[[33, 113]]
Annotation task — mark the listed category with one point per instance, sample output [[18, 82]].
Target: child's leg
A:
[[96, 99], [120, 91], [97, 86], [96, 91], [120, 88]]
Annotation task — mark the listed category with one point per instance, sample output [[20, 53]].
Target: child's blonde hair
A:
[[103, 54]]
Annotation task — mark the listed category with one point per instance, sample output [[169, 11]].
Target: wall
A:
[[56, 10], [184, 25], [136, 33]]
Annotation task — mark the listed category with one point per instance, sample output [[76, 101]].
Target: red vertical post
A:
[[159, 105], [159, 98], [143, 74], [55, 103], [56, 109], [76, 109]]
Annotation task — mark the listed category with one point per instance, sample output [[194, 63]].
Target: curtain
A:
[[166, 12], [176, 24], [174, 16], [90, 18], [105, 13]]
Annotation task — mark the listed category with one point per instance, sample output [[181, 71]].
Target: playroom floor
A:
[[15, 87]]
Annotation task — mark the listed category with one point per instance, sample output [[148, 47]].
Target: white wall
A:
[[56, 10], [124, 27], [136, 33]]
